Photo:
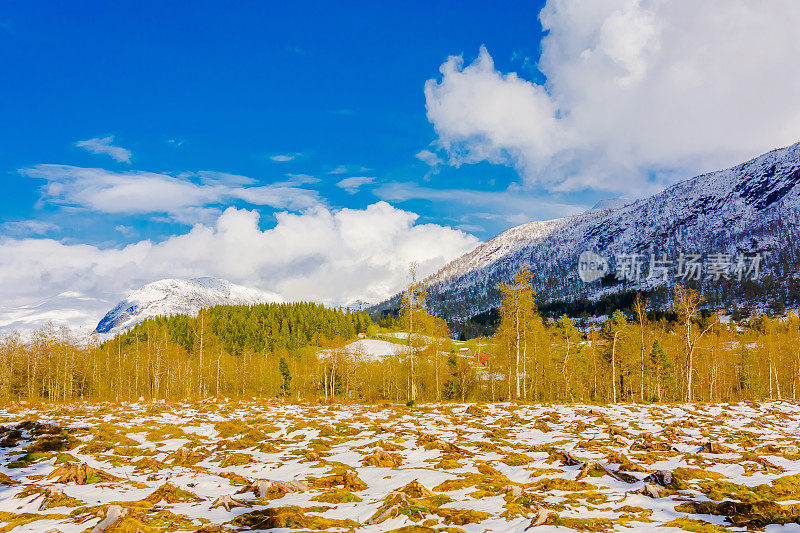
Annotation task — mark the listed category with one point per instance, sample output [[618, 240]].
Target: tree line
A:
[[300, 351], [687, 354]]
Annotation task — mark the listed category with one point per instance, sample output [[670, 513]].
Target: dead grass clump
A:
[[51, 497], [171, 494], [59, 442], [291, 517], [236, 459], [517, 459], [412, 500], [273, 489], [566, 485], [696, 473], [340, 476], [448, 463], [238, 435], [758, 514], [624, 463], [714, 448], [11, 521], [383, 459], [782, 488], [474, 410], [462, 517], [107, 437], [80, 474], [6, 481], [185, 457], [697, 526], [149, 464], [336, 496], [595, 469], [430, 442], [582, 524], [9, 437]]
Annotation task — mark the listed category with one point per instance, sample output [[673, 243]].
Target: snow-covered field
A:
[[261, 465], [368, 350]]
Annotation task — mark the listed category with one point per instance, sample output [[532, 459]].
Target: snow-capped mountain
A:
[[357, 305], [750, 208], [178, 296]]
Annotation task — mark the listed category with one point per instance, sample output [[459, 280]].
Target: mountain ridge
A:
[[173, 296], [746, 209]]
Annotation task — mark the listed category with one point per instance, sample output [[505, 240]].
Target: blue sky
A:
[[206, 86], [314, 150]]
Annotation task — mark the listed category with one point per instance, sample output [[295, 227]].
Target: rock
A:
[[114, 513], [662, 477], [568, 460], [665, 478], [50, 494], [714, 447], [514, 490], [648, 490], [541, 517], [272, 489]]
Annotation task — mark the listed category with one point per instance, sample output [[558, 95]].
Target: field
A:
[[261, 465]]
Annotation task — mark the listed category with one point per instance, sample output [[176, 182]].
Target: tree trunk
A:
[[614, 367]]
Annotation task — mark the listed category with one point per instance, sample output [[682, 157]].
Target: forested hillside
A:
[[224, 351], [297, 351]]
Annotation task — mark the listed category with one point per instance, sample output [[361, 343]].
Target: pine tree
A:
[[285, 389]]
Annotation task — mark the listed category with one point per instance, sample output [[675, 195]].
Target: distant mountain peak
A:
[[611, 203], [174, 296], [753, 207]]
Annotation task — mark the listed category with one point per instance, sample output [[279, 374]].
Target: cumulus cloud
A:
[[353, 184], [104, 146], [320, 254], [637, 93], [186, 198]]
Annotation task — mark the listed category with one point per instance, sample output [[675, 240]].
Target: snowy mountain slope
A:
[[751, 207], [178, 296]]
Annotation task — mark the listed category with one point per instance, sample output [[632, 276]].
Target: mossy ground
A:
[[228, 466]]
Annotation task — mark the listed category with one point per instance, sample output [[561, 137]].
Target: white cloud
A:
[[513, 206], [283, 158], [633, 89], [103, 146], [322, 255], [353, 184], [29, 227], [182, 198], [429, 158], [302, 179]]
